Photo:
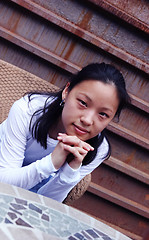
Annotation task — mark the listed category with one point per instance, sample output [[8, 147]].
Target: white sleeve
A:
[[60, 185], [12, 148], [66, 178]]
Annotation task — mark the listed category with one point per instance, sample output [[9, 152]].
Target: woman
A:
[[50, 141]]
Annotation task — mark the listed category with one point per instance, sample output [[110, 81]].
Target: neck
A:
[[57, 128]]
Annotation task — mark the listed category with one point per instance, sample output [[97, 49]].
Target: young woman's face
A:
[[88, 108]]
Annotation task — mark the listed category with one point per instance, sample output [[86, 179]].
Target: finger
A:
[[74, 141], [76, 151]]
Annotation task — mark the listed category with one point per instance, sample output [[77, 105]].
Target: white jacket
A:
[[25, 163]]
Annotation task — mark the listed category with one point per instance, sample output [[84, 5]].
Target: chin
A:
[[83, 138]]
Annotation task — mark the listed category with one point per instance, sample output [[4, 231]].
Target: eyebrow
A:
[[107, 109], [86, 96]]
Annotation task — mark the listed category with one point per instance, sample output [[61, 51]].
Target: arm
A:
[[66, 178], [12, 148]]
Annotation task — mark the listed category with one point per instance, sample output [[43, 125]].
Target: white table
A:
[[25, 215]]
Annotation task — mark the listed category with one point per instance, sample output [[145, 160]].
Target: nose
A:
[[87, 118]]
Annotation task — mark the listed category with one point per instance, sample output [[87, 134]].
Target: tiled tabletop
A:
[[25, 215]]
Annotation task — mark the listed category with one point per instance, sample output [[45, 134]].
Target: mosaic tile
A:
[[31, 215], [14, 210], [12, 215], [72, 238], [3, 212], [79, 236], [42, 229], [20, 201], [29, 212], [1, 219], [45, 224], [92, 233], [104, 236], [33, 207], [52, 232], [4, 205], [6, 199], [27, 195], [8, 221], [34, 221], [86, 235], [45, 217], [17, 206], [21, 222]]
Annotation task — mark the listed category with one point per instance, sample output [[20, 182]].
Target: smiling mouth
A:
[[80, 130]]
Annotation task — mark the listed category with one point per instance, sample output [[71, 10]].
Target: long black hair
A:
[[51, 111]]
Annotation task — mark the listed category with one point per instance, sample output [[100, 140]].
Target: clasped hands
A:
[[70, 145]]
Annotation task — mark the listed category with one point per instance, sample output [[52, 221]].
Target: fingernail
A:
[[87, 148], [59, 137]]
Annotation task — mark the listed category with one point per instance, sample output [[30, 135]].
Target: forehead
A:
[[96, 87], [98, 92]]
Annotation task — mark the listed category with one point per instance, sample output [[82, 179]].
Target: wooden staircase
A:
[[53, 39]]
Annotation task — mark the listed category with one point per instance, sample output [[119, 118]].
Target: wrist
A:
[[75, 165], [55, 163]]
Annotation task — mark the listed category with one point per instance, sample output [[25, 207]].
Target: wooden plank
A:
[[118, 199], [55, 59], [125, 221], [73, 51], [128, 169], [48, 55], [128, 158], [123, 10], [120, 189], [128, 134], [39, 51], [84, 34]]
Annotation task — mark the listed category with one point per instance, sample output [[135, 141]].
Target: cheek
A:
[[101, 125], [66, 114], [106, 123], [69, 109], [68, 106]]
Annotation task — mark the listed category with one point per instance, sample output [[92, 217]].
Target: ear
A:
[[65, 91]]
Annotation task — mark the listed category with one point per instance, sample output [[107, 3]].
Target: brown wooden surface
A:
[[53, 39]]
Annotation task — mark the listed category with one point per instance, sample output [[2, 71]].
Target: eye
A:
[[83, 103], [103, 115]]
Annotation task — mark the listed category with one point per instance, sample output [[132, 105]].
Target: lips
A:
[[80, 130]]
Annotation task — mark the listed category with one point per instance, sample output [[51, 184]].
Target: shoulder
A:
[[38, 101], [30, 104], [18, 106], [23, 109]]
